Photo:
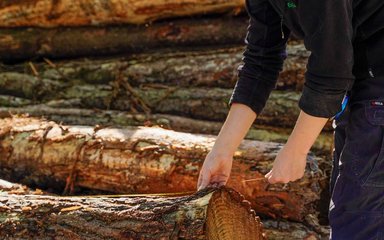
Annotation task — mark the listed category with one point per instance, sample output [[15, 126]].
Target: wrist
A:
[[297, 147], [221, 153]]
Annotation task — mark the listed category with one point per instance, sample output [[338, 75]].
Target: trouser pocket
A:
[[363, 153]]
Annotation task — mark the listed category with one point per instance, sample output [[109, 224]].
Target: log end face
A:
[[229, 216]]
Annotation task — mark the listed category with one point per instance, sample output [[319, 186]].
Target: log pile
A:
[[110, 84]]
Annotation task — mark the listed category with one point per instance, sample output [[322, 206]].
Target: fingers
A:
[[268, 174], [273, 178], [220, 179], [214, 181]]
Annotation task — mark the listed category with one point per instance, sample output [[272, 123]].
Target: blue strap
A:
[[343, 106]]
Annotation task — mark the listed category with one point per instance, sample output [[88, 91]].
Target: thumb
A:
[[203, 181]]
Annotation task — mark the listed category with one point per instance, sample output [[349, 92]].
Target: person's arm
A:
[[289, 164], [329, 36], [263, 57], [218, 163], [262, 61], [236, 126]]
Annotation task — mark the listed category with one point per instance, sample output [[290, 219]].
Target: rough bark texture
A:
[[212, 214], [215, 68], [171, 36], [200, 103], [51, 13], [12, 101], [284, 230], [148, 160], [75, 116], [166, 84], [28, 215]]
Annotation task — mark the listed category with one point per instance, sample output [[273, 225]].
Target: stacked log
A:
[[146, 160], [199, 216], [50, 13], [202, 215], [34, 43]]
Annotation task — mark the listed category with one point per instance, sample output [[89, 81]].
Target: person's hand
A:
[[288, 166], [215, 170]]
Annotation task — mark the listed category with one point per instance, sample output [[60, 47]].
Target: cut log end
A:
[[229, 216]]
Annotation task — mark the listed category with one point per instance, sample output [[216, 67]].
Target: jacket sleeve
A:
[[328, 29], [263, 57]]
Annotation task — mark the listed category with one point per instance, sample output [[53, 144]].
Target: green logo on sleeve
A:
[[291, 4]]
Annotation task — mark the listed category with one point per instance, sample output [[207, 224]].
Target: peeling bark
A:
[[51, 13], [149, 160]]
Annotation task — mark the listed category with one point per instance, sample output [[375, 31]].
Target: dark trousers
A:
[[357, 182]]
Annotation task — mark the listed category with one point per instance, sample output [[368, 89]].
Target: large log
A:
[[76, 116], [220, 214], [206, 104], [36, 216], [214, 68], [148, 160], [50, 13], [201, 103], [177, 35]]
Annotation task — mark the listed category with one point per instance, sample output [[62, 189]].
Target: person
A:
[[345, 71]]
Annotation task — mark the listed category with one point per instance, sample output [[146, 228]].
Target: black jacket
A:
[[345, 37]]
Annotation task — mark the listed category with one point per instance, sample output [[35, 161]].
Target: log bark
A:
[[33, 209], [212, 214], [149, 160], [283, 230], [200, 103], [203, 104], [214, 68], [74, 116], [177, 35], [49, 13], [12, 101]]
